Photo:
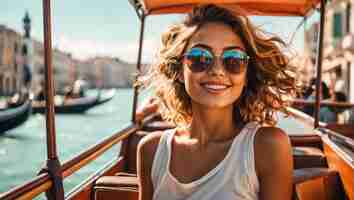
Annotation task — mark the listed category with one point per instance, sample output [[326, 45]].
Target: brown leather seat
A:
[[308, 140], [132, 150], [309, 184], [122, 186], [306, 157], [135, 139], [125, 185], [317, 183]]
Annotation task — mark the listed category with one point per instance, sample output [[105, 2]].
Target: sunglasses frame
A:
[[214, 57]]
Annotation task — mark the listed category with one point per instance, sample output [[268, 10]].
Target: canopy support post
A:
[[138, 66], [319, 63], [52, 166]]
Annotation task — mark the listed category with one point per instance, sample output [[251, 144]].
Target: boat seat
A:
[[125, 185], [307, 157], [317, 183], [122, 186], [135, 139], [308, 140], [309, 184]]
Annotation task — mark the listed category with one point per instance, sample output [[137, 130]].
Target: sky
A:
[[88, 28]]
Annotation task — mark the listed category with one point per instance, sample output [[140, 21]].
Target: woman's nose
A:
[[217, 67]]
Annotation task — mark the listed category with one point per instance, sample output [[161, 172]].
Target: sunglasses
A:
[[200, 60]]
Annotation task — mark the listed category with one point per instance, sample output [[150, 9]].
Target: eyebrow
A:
[[225, 49], [234, 47]]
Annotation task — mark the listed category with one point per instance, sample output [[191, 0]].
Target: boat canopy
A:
[[251, 7]]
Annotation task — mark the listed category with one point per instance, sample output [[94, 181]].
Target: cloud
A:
[[126, 50]]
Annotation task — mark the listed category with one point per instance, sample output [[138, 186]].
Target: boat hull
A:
[[13, 117], [76, 106]]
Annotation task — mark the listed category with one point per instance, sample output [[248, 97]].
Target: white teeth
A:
[[215, 87]]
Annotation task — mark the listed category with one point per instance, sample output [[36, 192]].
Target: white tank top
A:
[[234, 178]]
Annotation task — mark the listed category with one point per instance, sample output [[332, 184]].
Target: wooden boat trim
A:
[[340, 161], [36, 191], [343, 129], [49, 80], [52, 166], [345, 141], [138, 65], [87, 183], [29, 190]]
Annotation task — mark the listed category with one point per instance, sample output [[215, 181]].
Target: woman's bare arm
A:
[[274, 164], [148, 107], [145, 156]]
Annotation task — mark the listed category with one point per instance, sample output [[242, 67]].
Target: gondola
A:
[[77, 105], [15, 116], [323, 159]]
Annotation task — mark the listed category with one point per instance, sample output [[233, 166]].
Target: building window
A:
[[337, 25]]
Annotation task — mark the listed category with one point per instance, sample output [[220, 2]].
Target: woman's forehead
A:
[[216, 35]]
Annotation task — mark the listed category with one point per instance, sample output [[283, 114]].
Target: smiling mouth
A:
[[215, 88]]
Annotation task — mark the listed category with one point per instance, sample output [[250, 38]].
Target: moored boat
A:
[[76, 105], [323, 160], [14, 116]]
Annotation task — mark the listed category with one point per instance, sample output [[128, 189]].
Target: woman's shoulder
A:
[[272, 148], [271, 141], [271, 136]]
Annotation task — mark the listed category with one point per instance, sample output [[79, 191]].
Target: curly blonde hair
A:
[[269, 76]]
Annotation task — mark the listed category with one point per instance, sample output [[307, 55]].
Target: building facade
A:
[[10, 61], [339, 28]]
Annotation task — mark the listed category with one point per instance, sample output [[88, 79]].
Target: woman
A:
[[220, 81]]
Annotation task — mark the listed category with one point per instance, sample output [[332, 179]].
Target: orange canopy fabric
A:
[[251, 7]]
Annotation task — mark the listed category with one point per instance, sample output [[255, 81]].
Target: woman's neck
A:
[[213, 124]]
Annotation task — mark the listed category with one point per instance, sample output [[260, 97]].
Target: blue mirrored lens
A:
[[235, 54], [200, 54], [198, 59], [234, 61]]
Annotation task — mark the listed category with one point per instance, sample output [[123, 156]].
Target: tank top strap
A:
[[249, 142], [159, 165]]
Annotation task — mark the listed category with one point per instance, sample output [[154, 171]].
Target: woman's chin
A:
[[214, 104]]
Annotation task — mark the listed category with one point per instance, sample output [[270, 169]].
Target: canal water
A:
[[23, 150]]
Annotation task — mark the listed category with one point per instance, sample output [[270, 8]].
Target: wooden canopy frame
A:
[[303, 8], [251, 7]]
